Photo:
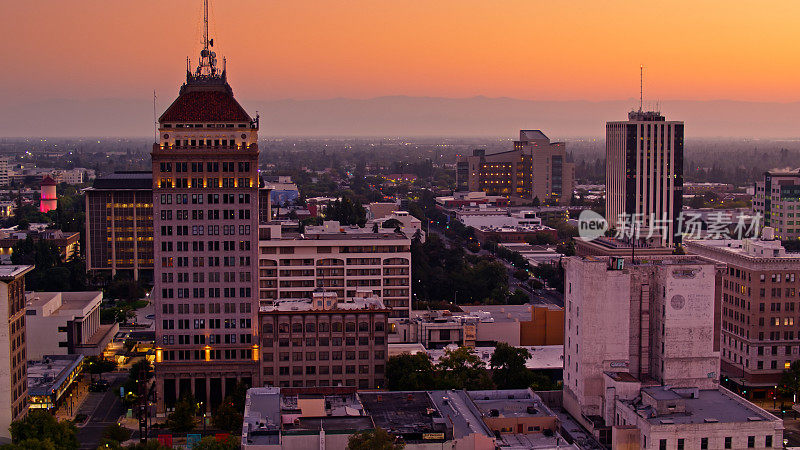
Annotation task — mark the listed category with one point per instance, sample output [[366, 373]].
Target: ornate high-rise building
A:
[[205, 223]]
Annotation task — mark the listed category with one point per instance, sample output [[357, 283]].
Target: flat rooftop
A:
[[711, 405], [45, 376], [403, 412], [457, 408], [510, 403], [262, 417], [69, 300], [10, 272]]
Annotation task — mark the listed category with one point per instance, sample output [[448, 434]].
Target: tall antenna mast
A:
[[155, 120], [205, 24], [641, 85], [208, 59]]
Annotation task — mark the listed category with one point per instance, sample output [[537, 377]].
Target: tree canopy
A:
[[508, 367], [376, 439], [41, 427]]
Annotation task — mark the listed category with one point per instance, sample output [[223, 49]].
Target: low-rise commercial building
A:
[[658, 417], [324, 342], [61, 323], [50, 378], [68, 243], [451, 419]]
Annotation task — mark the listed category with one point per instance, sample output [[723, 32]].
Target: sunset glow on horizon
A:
[[367, 48]]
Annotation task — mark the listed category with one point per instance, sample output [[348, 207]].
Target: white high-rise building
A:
[[644, 173]]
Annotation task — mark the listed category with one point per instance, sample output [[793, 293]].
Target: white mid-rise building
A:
[[642, 361], [341, 259]]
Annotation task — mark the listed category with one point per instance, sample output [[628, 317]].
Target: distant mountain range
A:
[[410, 116]]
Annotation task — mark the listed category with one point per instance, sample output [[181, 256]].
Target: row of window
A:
[[211, 214], [323, 370], [228, 292], [323, 341], [200, 230], [226, 166], [200, 339], [200, 324], [198, 199], [322, 356], [200, 308], [200, 277], [681, 443], [200, 261], [311, 327], [196, 183]]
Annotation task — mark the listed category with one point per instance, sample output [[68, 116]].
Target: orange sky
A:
[[304, 49]]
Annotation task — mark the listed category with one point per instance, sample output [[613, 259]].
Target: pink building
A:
[[49, 200], [205, 221]]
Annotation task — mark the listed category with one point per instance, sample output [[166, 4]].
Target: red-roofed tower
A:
[[205, 220]]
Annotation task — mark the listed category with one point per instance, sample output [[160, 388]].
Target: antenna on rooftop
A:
[[641, 85], [208, 58], [155, 120]]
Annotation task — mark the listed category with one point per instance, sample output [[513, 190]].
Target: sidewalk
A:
[[72, 401]]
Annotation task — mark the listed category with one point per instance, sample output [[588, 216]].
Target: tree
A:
[[536, 202], [790, 380], [518, 297], [97, 365], [116, 432], [376, 439], [31, 444], [508, 367], [226, 417], [463, 369], [407, 372], [183, 418], [125, 288], [42, 426]]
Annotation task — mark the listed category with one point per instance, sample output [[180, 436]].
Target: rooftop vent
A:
[[754, 419], [667, 421], [710, 420]]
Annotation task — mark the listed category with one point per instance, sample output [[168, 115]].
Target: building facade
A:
[[339, 259], [760, 334], [323, 342], [662, 316], [13, 357], [119, 224], [777, 200], [535, 168], [61, 323], [644, 173], [205, 221]]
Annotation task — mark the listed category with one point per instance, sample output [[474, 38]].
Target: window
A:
[[751, 440], [662, 444], [768, 441], [704, 443], [680, 444]]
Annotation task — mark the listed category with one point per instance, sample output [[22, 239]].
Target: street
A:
[[537, 297], [103, 409]]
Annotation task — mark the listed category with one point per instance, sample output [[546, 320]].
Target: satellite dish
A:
[[204, 53], [213, 54]]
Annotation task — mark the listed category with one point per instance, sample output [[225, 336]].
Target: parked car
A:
[[99, 386]]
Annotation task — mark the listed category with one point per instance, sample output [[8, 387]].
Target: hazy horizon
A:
[[402, 115]]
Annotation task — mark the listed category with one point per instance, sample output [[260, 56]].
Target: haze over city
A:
[[393, 68]]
